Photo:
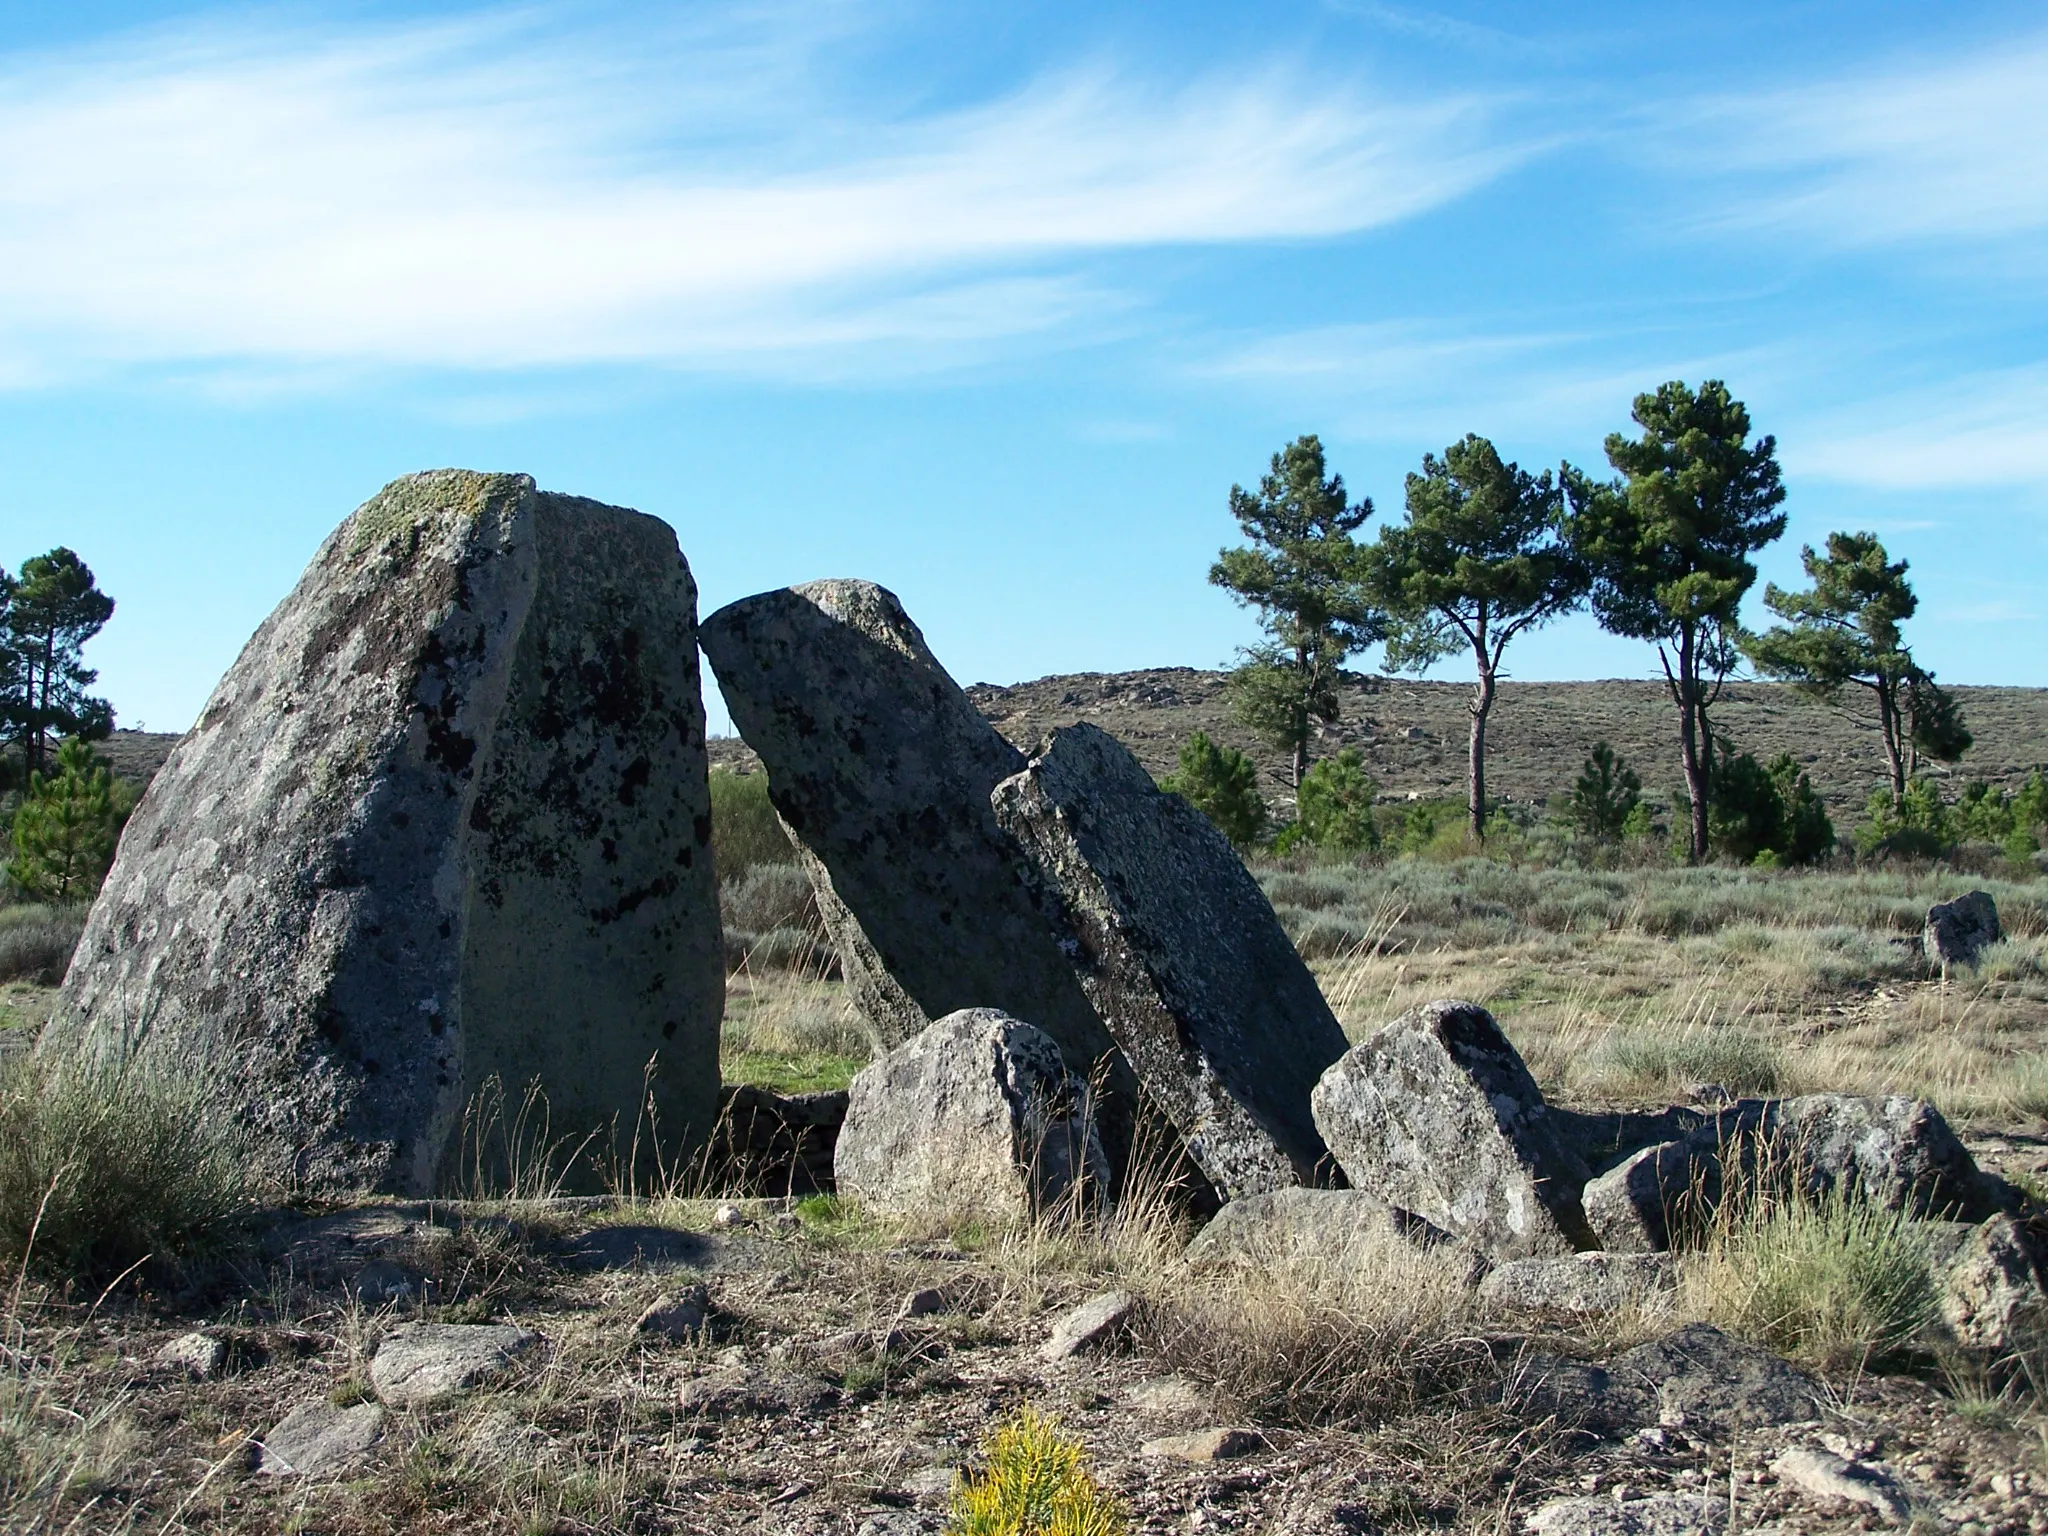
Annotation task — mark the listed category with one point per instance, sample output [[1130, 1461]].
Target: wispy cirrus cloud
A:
[[488, 195], [1977, 431]]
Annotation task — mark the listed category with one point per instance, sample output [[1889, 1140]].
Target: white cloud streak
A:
[[1984, 431], [480, 196]]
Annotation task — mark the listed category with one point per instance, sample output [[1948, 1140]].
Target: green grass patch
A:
[[800, 1072]]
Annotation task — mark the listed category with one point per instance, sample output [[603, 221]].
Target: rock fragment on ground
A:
[[1578, 1286], [882, 771], [1093, 1325], [1205, 1445], [975, 1118], [381, 1282], [199, 1354], [1992, 1296], [319, 1440], [1830, 1477], [1436, 1114], [419, 1364], [1179, 952], [738, 1390], [1958, 932], [445, 819], [1338, 1229], [679, 1316], [1695, 1376], [1658, 1514]]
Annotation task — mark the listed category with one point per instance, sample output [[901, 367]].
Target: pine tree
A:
[[1334, 809], [1223, 784], [1606, 794], [65, 831]]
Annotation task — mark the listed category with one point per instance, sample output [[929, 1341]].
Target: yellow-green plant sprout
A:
[[1036, 1483]]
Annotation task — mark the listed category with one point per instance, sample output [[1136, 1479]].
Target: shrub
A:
[[767, 896], [1606, 795], [744, 828], [36, 941], [66, 828], [1036, 1483], [1335, 805], [1806, 834], [1919, 826], [1223, 784], [101, 1168]]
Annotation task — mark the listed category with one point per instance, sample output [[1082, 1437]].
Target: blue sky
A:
[[992, 304]]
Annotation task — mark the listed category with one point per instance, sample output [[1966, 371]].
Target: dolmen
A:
[[446, 819]]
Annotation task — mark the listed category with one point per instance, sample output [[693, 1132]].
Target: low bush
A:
[[104, 1168], [36, 941], [1034, 1482], [767, 896]]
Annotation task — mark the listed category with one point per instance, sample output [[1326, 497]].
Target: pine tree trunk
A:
[[1482, 702], [1689, 742], [1894, 747]]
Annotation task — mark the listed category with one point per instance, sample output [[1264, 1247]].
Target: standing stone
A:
[[975, 1118], [882, 770], [1958, 931], [1437, 1114], [446, 818], [1181, 955]]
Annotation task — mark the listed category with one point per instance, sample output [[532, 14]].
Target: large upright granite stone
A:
[[1181, 955], [1438, 1115], [1958, 932], [882, 770], [445, 818]]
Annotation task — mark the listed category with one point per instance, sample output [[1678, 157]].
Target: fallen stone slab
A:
[[446, 819], [1339, 1229], [738, 1390], [1205, 1445], [318, 1440], [1827, 1476], [420, 1364], [1658, 1514], [1605, 1138], [975, 1118], [1992, 1296], [1093, 1325], [1436, 1114], [881, 770], [1958, 932], [1179, 952], [1577, 1286], [1663, 1195], [1695, 1376]]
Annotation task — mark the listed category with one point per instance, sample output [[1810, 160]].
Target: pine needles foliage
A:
[[1036, 1483]]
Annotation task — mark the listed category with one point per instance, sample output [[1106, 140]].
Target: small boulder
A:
[[1655, 1197], [204, 1355], [1437, 1114], [1577, 1286], [1992, 1297], [381, 1282], [420, 1364], [976, 1117], [737, 1390], [1339, 1228], [1205, 1445], [679, 1316], [1660, 1514], [1958, 931], [317, 1439], [1695, 1375], [1897, 1151], [1830, 1477], [1090, 1326], [1181, 955]]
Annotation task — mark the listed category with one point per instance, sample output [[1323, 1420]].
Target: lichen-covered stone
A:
[[1574, 1287], [1337, 1230], [1992, 1298], [446, 818], [420, 1364], [881, 769], [1181, 955], [1437, 1114], [1958, 931], [977, 1117]]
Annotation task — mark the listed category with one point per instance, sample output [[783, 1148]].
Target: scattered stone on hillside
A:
[[1658, 1514], [927, 1301], [1437, 1114], [1992, 1298], [445, 819], [200, 1354], [1827, 1476], [1205, 1445], [1661, 1192], [976, 1117], [1093, 1325], [1694, 1376], [1179, 952], [881, 770], [1342, 1229], [738, 1390], [381, 1282], [728, 1216], [420, 1364], [1958, 931], [1577, 1286], [318, 1440], [679, 1316]]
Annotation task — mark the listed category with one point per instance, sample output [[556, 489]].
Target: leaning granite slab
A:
[[1695, 1376], [445, 819], [1898, 1152], [976, 1117], [881, 770], [1958, 932], [1179, 952], [1345, 1230], [420, 1364], [1437, 1114], [319, 1440]]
